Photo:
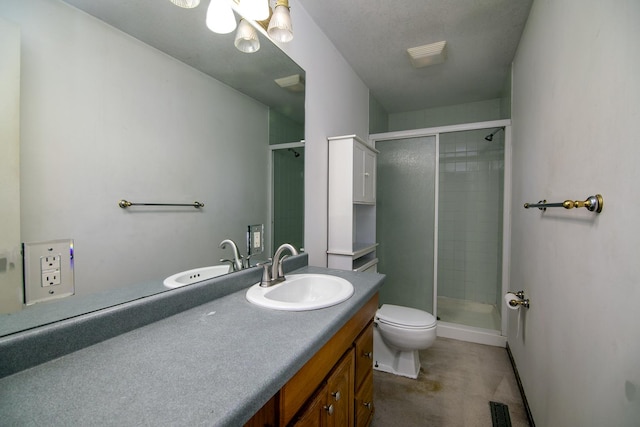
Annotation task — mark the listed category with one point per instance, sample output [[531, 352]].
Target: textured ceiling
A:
[[373, 36]]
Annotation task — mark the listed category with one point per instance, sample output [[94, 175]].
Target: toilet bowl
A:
[[398, 335]]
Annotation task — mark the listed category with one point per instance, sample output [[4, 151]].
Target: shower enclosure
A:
[[287, 195], [441, 218]]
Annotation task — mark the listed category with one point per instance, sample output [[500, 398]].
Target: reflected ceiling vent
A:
[[294, 83], [429, 54]]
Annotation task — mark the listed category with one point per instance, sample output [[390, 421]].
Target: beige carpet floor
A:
[[456, 383]]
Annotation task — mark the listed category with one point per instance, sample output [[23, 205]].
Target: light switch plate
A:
[[48, 270], [255, 239]]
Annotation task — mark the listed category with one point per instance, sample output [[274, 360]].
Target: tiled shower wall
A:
[[471, 196]]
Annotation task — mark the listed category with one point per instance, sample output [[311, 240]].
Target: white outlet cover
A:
[[48, 270]]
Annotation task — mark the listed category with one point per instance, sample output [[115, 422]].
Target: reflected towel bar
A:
[[125, 204], [593, 204]]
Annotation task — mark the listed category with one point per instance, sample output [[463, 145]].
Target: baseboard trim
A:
[[524, 397], [471, 334]]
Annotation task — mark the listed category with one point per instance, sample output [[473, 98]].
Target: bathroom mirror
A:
[[140, 101]]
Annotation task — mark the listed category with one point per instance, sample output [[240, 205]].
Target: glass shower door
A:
[[405, 224], [470, 212]]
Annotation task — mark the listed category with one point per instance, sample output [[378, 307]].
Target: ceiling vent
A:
[[429, 54], [294, 83]]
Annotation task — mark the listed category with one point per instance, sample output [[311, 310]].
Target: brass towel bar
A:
[[125, 204], [593, 204]]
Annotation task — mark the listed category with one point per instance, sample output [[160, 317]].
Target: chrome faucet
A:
[[277, 274], [237, 259]]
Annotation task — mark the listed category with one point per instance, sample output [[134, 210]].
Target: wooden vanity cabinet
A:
[[363, 347], [343, 365], [332, 405]]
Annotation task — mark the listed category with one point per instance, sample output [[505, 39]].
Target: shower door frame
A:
[[452, 330]]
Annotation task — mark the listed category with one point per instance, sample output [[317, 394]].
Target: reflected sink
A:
[[301, 292], [196, 275]]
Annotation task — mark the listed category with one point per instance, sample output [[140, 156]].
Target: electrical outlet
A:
[[50, 262], [255, 239], [51, 278], [48, 270]]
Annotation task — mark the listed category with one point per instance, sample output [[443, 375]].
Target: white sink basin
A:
[[301, 292], [196, 275]]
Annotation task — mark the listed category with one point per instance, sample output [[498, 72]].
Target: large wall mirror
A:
[[138, 101]]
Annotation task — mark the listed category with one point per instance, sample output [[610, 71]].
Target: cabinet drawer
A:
[[364, 408], [364, 354]]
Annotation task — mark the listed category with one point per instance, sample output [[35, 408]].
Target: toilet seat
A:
[[405, 317]]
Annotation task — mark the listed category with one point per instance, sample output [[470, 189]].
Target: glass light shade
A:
[[256, 10], [246, 38], [280, 28], [187, 4], [220, 17]]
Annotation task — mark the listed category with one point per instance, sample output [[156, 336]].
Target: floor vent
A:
[[500, 414]]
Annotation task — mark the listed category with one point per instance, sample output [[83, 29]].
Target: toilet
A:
[[398, 334]]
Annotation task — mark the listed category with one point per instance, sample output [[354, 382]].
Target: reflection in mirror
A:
[[143, 104], [10, 259]]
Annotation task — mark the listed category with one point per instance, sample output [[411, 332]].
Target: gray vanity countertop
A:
[[215, 364]]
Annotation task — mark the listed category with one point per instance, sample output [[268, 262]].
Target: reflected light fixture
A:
[[187, 4], [280, 28], [246, 37], [220, 17]]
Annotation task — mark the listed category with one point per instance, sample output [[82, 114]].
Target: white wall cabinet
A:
[[352, 210]]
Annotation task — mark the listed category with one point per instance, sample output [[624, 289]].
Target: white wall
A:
[[480, 111], [337, 103], [105, 117], [576, 108]]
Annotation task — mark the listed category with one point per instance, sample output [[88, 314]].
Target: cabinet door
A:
[[340, 393], [364, 355], [364, 174], [358, 173], [314, 414], [369, 177], [364, 402]]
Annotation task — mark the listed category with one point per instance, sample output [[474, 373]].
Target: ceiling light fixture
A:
[[187, 4], [255, 14], [280, 28], [220, 17], [246, 37], [429, 54], [256, 10]]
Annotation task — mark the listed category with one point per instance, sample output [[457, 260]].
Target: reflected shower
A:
[[490, 136], [295, 153]]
